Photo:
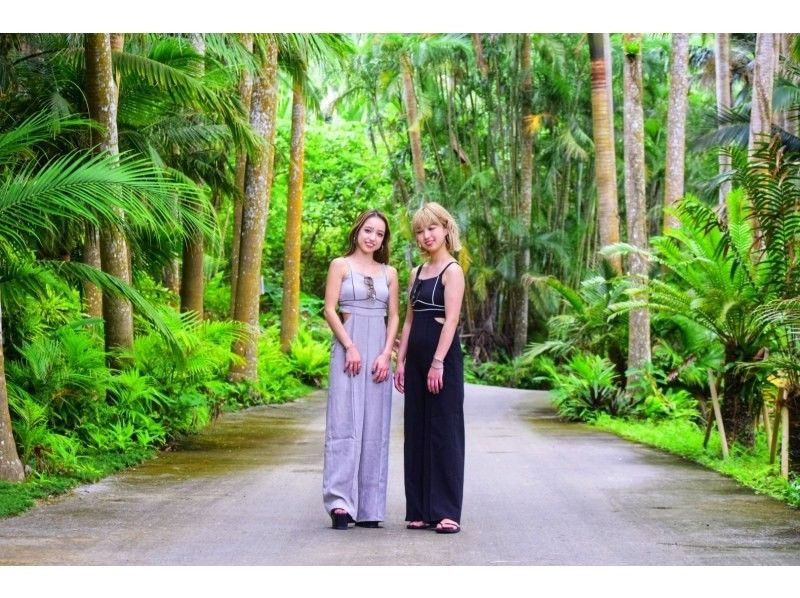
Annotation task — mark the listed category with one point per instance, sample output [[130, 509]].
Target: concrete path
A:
[[537, 492]]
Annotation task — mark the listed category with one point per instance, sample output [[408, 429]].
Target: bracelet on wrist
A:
[[434, 367], [437, 360]]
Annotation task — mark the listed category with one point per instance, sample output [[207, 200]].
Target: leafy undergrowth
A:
[[680, 437]]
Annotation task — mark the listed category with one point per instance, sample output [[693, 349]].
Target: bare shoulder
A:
[[338, 264], [453, 272]]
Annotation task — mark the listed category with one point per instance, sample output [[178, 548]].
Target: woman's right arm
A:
[[333, 285]]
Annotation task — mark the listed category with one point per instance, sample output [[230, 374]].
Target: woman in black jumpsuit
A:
[[430, 371]]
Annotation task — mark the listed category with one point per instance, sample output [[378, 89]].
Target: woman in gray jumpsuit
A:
[[364, 288]]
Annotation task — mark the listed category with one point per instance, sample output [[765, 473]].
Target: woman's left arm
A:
[[380, 369], [453, 280]]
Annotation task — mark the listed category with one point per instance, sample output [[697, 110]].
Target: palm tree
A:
[[605, 165], [290, 314], [74, 188], [255, 208], [102, 95], [310, 48], [772, 183], [722, 50], [414, 125], [245, 95], [636, 209], [526, 191], [676, 124], [192, 283], [763, 81]]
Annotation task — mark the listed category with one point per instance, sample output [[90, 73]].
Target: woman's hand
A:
[[435, 379], [380, 369], [352, 360], [400, 377]]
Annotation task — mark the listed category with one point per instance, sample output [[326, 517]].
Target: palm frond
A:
[[79, 272], [90, 188]]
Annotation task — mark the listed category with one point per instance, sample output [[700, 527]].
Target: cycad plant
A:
[[586, 386], [715, 278], [772, 183]]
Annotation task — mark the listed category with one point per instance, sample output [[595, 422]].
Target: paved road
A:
[[537, 492]]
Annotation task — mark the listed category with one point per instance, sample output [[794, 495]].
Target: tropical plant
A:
[[716, 281], [588, 324], [75, 188], [588, 385]]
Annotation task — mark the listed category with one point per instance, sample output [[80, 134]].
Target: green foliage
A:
[[64, 372], [275, 380], [632, 47], [793, 492], [186, 398], [343, 177], [655, 400], [41, 448], [586, 386], [515, 373], [217, 296], [17, 497], [587, 325], [684, 351], [309, 358]]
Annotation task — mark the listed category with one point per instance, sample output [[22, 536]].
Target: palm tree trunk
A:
[[480, 59], [412, 120], [676, 125], [101, 94], [245, 94], [609, 79], [791, 116], [605, 168], [722, 50], [763, 80], [738, 412], [290, 315], [526, 192], [92, 296], [635, 204], [193, 248], [11, 469], [793, 405], [255, 208]]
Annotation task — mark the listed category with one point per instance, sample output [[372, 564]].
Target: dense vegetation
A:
[[223, 149]]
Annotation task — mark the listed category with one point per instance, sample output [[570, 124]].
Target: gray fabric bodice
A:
[[358, 296]]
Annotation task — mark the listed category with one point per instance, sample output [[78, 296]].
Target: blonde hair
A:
[[433, 213]]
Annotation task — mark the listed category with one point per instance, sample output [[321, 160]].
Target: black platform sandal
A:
[[341, 519], [372, 524]]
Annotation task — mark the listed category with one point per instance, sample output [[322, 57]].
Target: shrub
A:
[[587, 386]]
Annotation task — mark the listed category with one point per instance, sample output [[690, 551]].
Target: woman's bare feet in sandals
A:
[[447, 526], [419, 525]]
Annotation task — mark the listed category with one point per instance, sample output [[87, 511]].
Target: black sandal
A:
[[425, 525], [448, 527], [371, 524], [341, 519]]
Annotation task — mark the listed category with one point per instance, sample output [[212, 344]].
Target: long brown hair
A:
[[381, 254]]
